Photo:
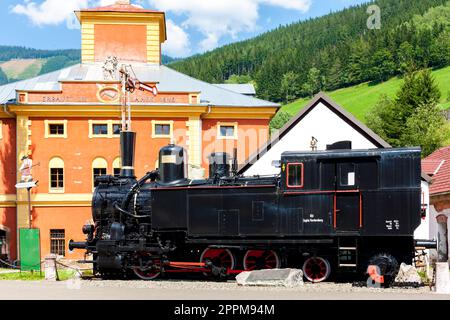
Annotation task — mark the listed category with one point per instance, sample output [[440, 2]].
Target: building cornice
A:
[[59, 200], [7, 200], [156, 111], [440, 196]]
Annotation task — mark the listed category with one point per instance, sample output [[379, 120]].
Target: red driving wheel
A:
[[218, 257], [261, 259], [316, 269]]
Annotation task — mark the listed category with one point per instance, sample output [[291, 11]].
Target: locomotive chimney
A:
[[127, 146]]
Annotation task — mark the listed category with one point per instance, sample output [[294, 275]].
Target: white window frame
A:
[[59, 165], [116, 164], [47, 124], [109, 124], [162, 122], [227, 124]]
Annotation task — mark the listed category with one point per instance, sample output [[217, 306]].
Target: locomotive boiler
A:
[[327, 212]]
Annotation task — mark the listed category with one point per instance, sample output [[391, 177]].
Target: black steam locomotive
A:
[[327, 212]]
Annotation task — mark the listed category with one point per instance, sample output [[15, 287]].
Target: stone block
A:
[[442, 278], [271, 277], [408, 274]]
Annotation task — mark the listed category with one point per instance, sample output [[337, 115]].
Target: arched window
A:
[[56, 174], [117, 165], [99, 168]]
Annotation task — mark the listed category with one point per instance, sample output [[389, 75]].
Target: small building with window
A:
[[68, 122]]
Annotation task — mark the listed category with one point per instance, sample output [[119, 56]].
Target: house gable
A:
[[323, 119]]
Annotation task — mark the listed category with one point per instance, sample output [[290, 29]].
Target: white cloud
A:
[[218, 18], [104, 3], [300, 5], [49, 12], [214, 19], [177, 44], [55, 12]]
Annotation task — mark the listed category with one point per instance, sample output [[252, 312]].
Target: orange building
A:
[[68, 121]]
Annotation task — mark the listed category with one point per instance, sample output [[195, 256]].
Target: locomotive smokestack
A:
[[127, 146]]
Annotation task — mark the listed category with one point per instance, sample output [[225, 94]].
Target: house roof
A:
[[432, 166], [121, 7], [167, 80], [339, 111], [439, 163], [245, 88]]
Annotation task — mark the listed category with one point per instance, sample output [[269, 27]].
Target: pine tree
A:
[[413, 118], [289, 86], [385, 120], [419, 88]]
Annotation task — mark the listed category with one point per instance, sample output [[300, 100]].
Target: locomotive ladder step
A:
[[349, 247]]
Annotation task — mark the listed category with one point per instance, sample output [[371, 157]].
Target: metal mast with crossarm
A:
[[129, 83]]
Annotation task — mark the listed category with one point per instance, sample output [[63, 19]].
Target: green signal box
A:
[[30, 251]]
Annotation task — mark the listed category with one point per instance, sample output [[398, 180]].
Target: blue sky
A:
[[194, 26]]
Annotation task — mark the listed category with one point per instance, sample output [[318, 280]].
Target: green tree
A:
[[289, 86], [3, 77], [385, 121], [280, 119], [413, 118], [426, 128], [405, 57], [239, 79], [269, 81], [56, 63], [383, 66], [419, 88], [335, 75], [314, 82]]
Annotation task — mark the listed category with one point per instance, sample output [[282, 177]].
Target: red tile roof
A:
[[439, 162], [117, 7], [430, 166]]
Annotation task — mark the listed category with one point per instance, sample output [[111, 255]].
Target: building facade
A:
[[68, 122], [437, 165]]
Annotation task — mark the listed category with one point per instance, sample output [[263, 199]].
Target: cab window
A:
[[294, 175], [347, 175]]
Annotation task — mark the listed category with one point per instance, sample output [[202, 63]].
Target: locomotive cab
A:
[[355, 188]]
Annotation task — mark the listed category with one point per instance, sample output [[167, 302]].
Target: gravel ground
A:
[[200, 290]]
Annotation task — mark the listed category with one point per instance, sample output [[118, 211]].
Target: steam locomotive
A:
[[328, 212]]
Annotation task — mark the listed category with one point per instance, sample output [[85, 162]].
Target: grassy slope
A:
[[22, 68], [361, 98]]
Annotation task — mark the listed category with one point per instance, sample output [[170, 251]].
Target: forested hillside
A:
[[334, 51], [17, 63]]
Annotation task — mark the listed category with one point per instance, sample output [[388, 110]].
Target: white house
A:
[[327, 122]]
